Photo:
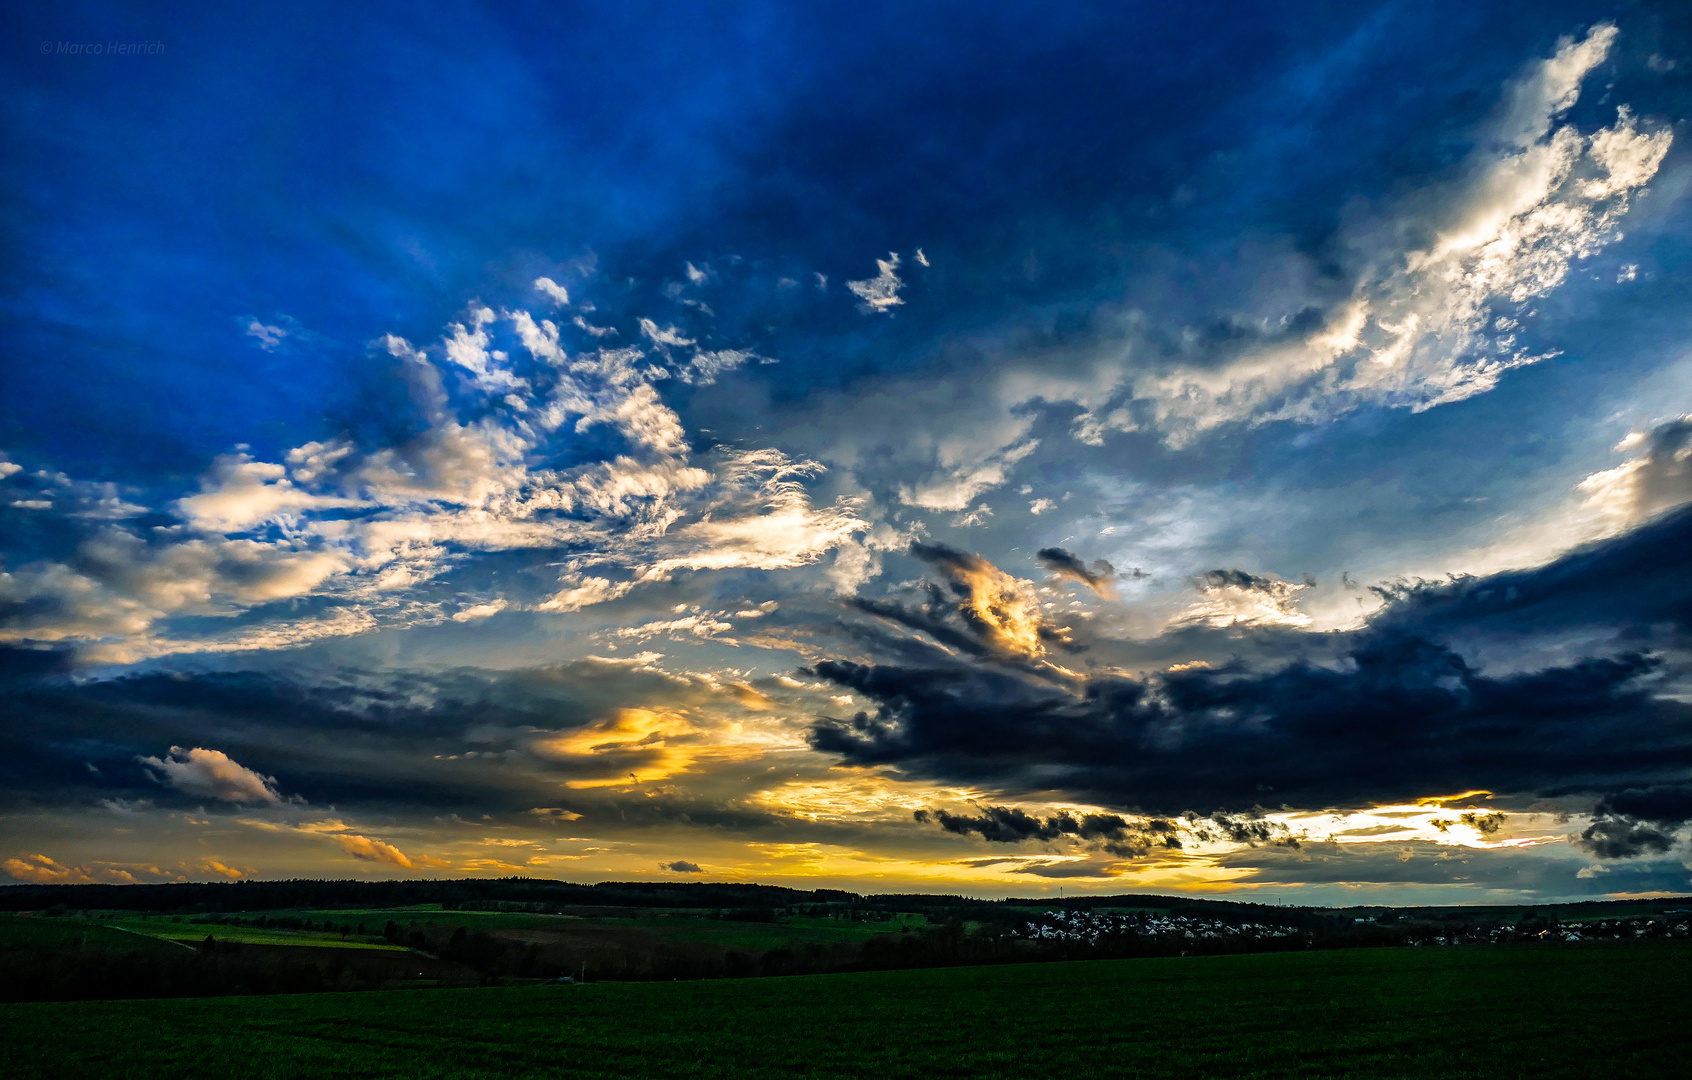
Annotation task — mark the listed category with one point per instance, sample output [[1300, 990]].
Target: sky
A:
[[1238, 450]]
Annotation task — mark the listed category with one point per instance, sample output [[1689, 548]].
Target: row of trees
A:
[[466, 893]]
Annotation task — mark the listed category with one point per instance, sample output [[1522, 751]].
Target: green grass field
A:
[[677, 926], [1513, 1011], [683, 924], [72, 933], [123, 931], [245, 935]]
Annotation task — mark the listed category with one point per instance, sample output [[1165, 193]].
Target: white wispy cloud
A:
[[1436, 322], [597, 331], [272, 634], [662, 335], [584, 591], [559, 294], [268, 337], [85, 500], [706, 365], [968, 469], [362, 530], [701, 625], [240, 493], [468, 348], [1236, 598], [761, 518], [480, 611], [879, 294]]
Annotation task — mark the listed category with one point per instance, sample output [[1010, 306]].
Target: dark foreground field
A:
[[1509, 1011]]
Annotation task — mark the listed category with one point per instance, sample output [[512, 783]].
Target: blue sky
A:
[[566, 440]]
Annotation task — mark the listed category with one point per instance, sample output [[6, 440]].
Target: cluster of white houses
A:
[[1089, 926], [1079, 925]]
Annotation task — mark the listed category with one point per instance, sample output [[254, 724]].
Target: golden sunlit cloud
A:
[[1427, 820], [866, 795], [363, 847], [44, 871], [643, 745], [1004, 611], [1005, 607]]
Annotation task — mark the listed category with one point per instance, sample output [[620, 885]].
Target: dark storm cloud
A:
[[682, 866], [1109, 833], [24, 664], [1523, 872], [1008, 825], [1485, 824], [1415, 862], [1638, 821], [438, 742], [367, 739], [950, 561], [1410, 717], [1238, 579], [1250, 829], [1631, 584], [1104, 832], [1100, 577], [1399, 715], [1670, 804], [1067, 870], [1624, 838], [437, 750], [935, 619]]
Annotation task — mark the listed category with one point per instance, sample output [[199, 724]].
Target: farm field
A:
[[102, 953], [245, 935], [1542, 1011], [680, 926], [39, 933], [110, 933]]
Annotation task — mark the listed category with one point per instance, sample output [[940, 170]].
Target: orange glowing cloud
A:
[[647, 744], [363, 847], [44, 871], [1001, 609]]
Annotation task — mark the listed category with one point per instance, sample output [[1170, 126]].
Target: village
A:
[[1094, 927]]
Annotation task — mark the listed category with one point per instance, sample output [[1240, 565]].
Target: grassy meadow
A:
[[1540, 1011], [108, 953]]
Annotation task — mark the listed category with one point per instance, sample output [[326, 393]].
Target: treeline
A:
[[197, 897], [541, 895]]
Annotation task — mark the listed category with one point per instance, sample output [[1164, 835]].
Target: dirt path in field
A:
[[150, 937]]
